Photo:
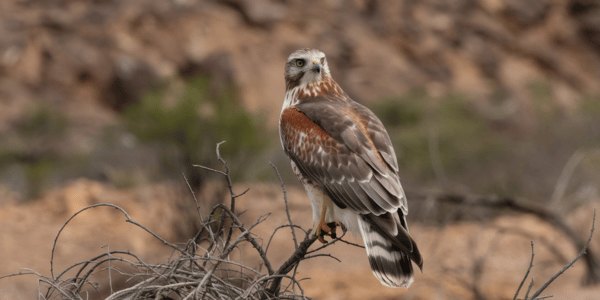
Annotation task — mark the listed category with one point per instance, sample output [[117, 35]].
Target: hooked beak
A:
[[316, 67]]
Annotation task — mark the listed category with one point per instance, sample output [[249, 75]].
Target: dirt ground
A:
[[27, 230], [450, 252]]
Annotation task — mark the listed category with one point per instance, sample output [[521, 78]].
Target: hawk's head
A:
[[305, 66]]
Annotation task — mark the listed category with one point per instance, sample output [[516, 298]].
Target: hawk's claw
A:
[[321, 237], [328, 229], [344, 229], [332, 232]]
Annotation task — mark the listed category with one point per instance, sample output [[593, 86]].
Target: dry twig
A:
[[592, 275], [537, 294], [202, 269]]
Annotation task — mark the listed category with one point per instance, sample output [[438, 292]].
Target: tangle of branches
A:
[[203, 268]]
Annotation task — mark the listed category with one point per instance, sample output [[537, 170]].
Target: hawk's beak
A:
[[316, 67]]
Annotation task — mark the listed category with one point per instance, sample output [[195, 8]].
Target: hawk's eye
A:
[[300, 63]]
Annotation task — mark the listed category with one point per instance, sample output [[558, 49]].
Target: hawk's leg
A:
[[323, 228]]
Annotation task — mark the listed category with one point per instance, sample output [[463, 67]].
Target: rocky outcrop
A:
[[28, 231], [105, 54]]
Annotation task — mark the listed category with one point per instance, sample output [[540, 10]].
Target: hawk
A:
[[343, 156]]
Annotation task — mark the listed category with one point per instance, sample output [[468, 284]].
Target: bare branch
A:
[[187, 182], [285, 201], [570, 264], [565, 176], [209, 169], [541, 212], [127, 219], [526, 273], [202, 269], [290, 263], [560, 257], [529, 289]]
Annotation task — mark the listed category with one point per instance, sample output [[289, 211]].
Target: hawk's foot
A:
[[328, 229]]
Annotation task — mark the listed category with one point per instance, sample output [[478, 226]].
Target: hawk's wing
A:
[[343, 147]]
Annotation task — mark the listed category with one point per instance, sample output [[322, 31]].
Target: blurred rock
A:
[[108, 53], [587, 17], [450, 251], [526, 13], [28, 230], [259, 12]]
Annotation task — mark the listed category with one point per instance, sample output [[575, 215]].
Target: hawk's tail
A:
[[390, 250]]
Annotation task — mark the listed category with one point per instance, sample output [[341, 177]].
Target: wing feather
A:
[[345, 150], [379, 136], [377, 194]]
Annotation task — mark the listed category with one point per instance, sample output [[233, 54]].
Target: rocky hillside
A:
[[95, 57]]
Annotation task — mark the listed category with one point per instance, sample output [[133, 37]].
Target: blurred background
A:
[[115, 101]]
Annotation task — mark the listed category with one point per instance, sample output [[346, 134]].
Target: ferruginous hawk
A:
[[343, 155]]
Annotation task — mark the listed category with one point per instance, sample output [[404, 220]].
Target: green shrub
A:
[[187, 121], [35, 146], [42, 122], [446, 142], [427, 132]]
